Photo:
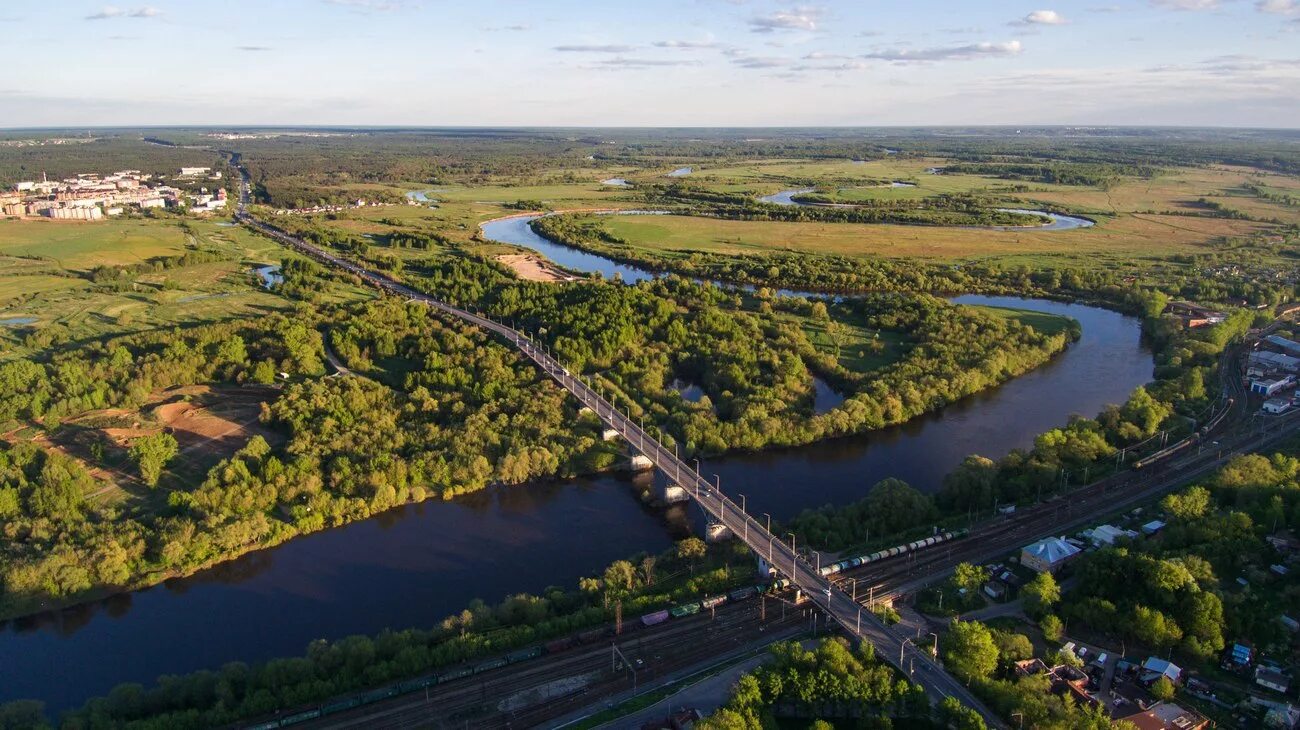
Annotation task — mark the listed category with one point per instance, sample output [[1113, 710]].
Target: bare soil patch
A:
[[532, 268]]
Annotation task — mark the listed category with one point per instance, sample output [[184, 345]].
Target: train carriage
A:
[[298, 717], [524, 654], [741, 594], [686, 609], [340, 706], [489, 665], [658, 617], [460, 673]]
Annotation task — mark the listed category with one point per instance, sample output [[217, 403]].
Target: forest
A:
[[830, 682], [441, 409]]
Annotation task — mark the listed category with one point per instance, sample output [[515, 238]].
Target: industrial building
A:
[[1275, 406], [1291, 347], [1267, 387], [1265, 361]]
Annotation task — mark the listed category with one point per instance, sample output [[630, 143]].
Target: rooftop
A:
[[1290, 346], [1052, 550], [1166, 716]]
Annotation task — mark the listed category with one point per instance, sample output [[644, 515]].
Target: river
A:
[[414, 565]]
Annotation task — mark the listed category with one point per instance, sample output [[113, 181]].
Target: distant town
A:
[[92, 197]]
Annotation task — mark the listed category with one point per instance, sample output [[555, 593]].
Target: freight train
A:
[[891, 552], [1188, 442], [553, 647]]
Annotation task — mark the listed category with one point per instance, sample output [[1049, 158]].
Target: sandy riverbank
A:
[[533, 268]]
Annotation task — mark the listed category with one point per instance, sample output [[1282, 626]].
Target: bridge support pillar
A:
[[641, 462], [672, 493], [717, 532]]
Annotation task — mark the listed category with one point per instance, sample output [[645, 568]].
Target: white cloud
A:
[[109, 12], [799, 18], [369, 6], [1279, 7], [1042, 17], [761, 61], [621, 62], [948, 53], [844, 66], [594, 48], [1186, 4], [686, 45]]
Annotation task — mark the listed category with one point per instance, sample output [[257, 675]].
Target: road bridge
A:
[[852, 616]]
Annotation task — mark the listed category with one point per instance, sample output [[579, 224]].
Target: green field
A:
[[857, 348], [44, 277], [1119, 240], [1048, 324]]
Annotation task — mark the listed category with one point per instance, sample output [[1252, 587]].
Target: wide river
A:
[[416, 564]]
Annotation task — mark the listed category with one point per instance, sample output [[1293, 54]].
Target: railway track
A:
[[894, 577], [580, 677]]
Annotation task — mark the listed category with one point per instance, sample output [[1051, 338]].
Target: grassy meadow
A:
[[45, 287]]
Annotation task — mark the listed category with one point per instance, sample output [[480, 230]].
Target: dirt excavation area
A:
[[209, 424], [532, 268]]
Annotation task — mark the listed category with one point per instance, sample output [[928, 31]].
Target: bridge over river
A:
[[851, 615]]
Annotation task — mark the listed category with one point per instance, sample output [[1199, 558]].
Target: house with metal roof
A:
[[1047, 555], [1154, 668]]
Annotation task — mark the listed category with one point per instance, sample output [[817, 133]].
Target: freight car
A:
[[861, 560]]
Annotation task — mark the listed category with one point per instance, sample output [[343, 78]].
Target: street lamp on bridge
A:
[[794, 555], [744, 516]]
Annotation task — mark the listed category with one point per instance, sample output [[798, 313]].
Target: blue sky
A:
[[674, 62]]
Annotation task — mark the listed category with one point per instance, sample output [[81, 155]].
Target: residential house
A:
[[1047, 555], [1167, 716]]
